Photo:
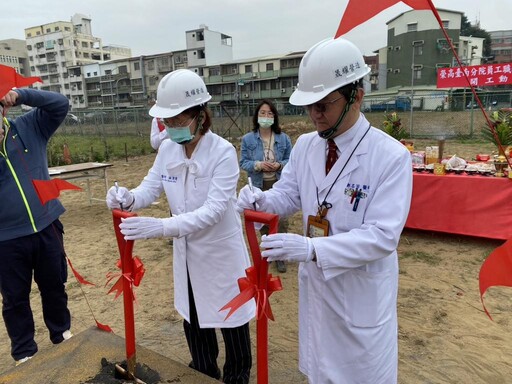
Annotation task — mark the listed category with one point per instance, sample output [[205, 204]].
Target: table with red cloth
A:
[[461, 204]]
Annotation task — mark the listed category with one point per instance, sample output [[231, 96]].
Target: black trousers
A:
[[43, 255], [203, 346]]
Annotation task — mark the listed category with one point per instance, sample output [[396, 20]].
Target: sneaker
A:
[[281, 266], [67, 335], [21, 361]]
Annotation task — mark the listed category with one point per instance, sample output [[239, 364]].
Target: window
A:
[[417, 72], [136, 66], [446, 24], [418, 50], [48, 30], [412, 27], [270, 66], [248, 68], [151, 65]]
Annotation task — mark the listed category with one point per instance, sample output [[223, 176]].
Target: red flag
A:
[[359, 11], [50, 189], [496, 270], [9, 79]]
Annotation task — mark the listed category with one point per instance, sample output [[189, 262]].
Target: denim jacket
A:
[[252, 151]]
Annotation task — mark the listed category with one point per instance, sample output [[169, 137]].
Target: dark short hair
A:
[[275, 127]]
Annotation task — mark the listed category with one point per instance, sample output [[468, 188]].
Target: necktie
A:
[[332, 155]]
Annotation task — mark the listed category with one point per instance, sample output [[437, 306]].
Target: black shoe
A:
[[281, 266]]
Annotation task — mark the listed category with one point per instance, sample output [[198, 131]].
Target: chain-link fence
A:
[[115, 133]]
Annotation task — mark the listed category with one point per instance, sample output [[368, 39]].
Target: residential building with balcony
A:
[[206, 47], [59, 49], [248, 81], [501, 46]]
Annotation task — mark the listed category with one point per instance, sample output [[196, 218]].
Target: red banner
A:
[[479, 75]]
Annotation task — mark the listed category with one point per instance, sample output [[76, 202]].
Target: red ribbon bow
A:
[[134, 277], [258, 284], [249, 289]]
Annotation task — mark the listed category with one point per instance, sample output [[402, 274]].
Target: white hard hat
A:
[[177, 91], [327, 66]]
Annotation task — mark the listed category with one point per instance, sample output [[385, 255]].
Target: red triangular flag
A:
[[50, 189], [496, 270], [358, 11], [9, 79], [78, 276]]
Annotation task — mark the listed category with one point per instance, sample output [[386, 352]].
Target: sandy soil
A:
[[444, 336]]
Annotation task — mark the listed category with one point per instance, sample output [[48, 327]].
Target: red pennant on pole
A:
[[9, 79], [496, 270], [358, 11], [50, 189]]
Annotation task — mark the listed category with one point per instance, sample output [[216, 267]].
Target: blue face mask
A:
[[180, 135]]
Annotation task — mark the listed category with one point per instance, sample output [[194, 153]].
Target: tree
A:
[[467, 29]]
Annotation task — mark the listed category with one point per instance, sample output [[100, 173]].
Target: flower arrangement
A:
[[392, 125], [502, 123]]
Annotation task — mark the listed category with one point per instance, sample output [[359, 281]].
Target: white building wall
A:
[[425, 19]]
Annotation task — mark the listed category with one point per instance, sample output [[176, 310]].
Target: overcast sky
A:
[[258, 28]]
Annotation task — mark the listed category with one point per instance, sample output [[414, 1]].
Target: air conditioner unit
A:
[[390, 69], [398, 47], [283, 90], [294, 87], [246, 95], [396, 71], [254, 75]]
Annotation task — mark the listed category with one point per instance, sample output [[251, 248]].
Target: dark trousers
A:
[[43, 255], [202, 343]]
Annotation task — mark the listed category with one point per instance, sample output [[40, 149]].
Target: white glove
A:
[[287, 247], [139, 227], [119, 195], [248, 199]]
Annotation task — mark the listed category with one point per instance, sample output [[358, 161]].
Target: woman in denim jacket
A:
[[265, 151]]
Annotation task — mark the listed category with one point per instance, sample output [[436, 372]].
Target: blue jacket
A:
[[252, 151], [23, 159]]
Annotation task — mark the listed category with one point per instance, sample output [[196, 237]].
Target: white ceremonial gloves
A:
[[138, 227], [119, 195], [248, 199], [287, 247]]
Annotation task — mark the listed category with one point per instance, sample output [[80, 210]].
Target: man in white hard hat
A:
[[353, 184], [198, 171]]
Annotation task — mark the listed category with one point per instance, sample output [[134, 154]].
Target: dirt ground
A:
[[444, 336]]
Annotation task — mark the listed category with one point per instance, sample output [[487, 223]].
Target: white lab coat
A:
[[201, 192], [347, 299]]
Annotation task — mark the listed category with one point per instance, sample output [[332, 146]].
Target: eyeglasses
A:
[[169, 123], [266, 113], [322, 107]]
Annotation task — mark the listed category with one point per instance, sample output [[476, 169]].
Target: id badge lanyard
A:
[[318, 225]]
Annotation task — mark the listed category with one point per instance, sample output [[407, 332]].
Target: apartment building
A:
[[501, 46], [14, 54], [416, 47], [58, 50]]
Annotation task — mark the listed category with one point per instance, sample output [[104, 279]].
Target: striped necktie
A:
[[332, 155]]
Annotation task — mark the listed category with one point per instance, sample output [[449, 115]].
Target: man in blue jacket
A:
[[31, 235]]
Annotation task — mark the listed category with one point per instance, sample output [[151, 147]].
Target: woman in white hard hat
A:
[[353, 184], [198, 171]]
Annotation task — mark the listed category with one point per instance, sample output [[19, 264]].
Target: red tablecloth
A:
[[467, 205]]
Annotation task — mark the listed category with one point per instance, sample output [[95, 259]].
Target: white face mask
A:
[[265, 122]]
